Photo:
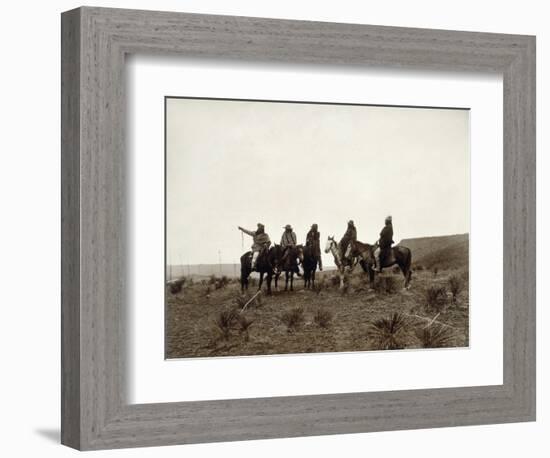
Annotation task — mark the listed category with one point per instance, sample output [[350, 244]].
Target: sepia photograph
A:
[[297, 227]]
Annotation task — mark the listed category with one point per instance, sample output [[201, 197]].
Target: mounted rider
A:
[[313, 241], [384, 243], [348, 240], [260, 243], [288, 241]]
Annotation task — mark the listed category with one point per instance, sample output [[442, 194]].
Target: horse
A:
[[266, 263], [290, 265], [310, 266], [341, 264], [400, 255]]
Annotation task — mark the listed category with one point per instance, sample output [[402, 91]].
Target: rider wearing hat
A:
[[260, 240], [384, 243], [288, 240]]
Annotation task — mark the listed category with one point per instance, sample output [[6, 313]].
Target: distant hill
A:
[[448, 251], [203, 270]]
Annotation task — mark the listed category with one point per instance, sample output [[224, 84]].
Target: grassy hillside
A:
[[444, 252]]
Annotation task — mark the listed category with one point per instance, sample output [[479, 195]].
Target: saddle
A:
[[387, 257]]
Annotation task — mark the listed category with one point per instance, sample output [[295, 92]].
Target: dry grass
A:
[[293, 318], [323, 317], [191, 317]]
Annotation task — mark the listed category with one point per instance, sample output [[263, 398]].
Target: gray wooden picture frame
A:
[[95, 411]]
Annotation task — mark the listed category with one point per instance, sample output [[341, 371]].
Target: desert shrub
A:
[[243, 325], [455, 286], [334, 280], [435, 336], [293, 318], [385, 284], [177, 286], [396, 270], [435, 271], [319, 286], [436, 297], [207, 291], [419, 267], [224, 281], [212, 280], [252, 282], [388, 333], [322, 318], [225, 321]]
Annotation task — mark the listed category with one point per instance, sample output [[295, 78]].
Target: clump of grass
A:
[[436, 297], [334, 281], [212, 280], [385, 284], [322, 318], [419, 267], [435, 271], [455, 286], [177, 286], [435, 336], [244, 324], [293, 318], [388, 333], [225, 321]]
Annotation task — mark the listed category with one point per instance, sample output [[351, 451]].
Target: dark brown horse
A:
[[310, 267], [290, 265], [400, 255], [266, 264]]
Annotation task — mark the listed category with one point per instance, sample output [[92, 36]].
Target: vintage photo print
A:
[[297, 227]]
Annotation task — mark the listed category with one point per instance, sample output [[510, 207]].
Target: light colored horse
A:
[[332, 247]]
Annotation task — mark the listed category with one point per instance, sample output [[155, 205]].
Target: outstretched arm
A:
[[246, 231]]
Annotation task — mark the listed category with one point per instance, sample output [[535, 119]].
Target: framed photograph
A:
[[279, 228]]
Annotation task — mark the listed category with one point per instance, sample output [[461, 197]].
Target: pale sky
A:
[[237, 163]]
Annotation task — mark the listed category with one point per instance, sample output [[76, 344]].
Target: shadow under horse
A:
[[290, 265], [310, 267], [398, 255], [266, 264]]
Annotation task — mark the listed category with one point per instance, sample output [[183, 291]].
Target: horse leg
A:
[[261, 280], [286, 280], [312, 284], [371, 276], [268, 281], [292, 281]]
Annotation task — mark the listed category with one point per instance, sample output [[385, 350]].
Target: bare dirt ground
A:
[[205, 318]]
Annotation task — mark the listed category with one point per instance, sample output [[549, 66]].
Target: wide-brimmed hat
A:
[[260, 225], [314, 226], [288, 226], [350, 221]]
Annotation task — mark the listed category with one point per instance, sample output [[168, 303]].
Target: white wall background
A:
[[29, 229]]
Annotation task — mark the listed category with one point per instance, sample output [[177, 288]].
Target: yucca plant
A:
[[455, 286], [435, 336], [436, 297], [244, 324], [388, 333], [225, 321]]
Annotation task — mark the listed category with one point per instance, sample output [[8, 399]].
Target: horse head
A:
[[330, 243], [300, 252]]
